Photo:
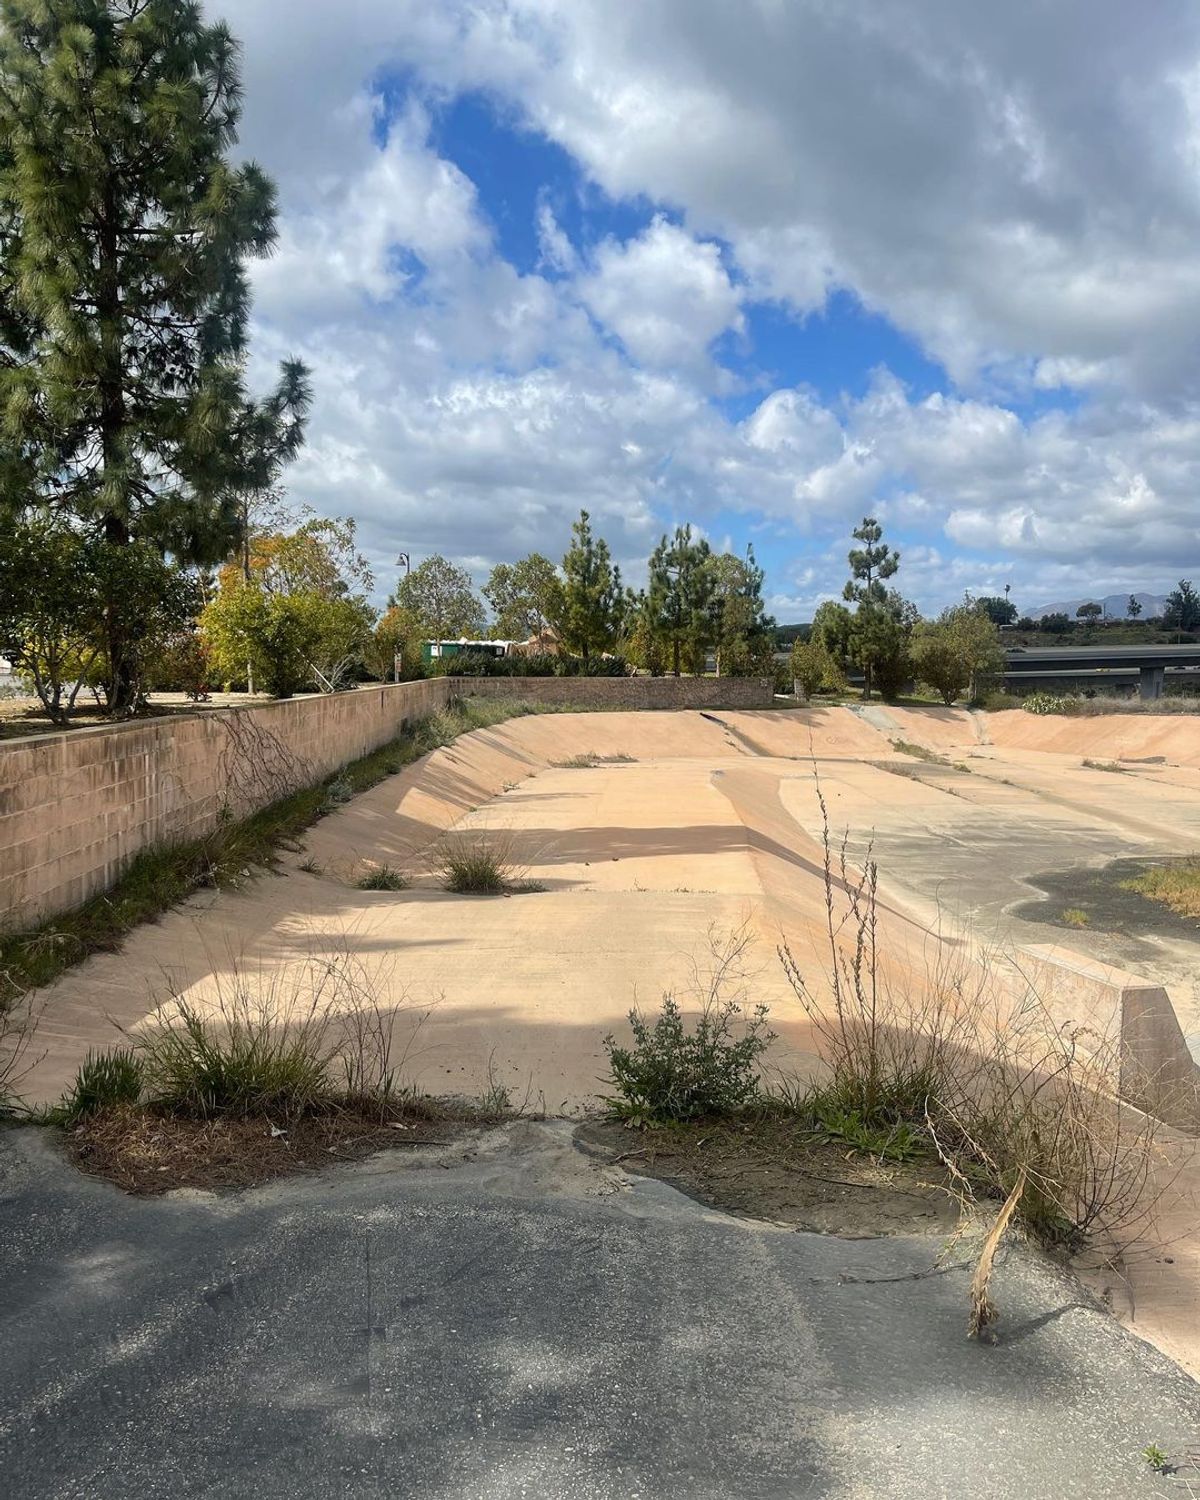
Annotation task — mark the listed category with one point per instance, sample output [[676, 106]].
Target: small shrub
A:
[[106, 1080], [337, 793], [589, 760], [1159, 1461], [837, 1126], [384, 878], [1048, 703], [1075, 916], [478, 864], [1019, 1107], [673, 1074], [920, 752]]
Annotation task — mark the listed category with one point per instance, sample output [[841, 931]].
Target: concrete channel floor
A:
[[513, 1319]]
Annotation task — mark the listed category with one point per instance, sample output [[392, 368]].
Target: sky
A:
[[766, 267]]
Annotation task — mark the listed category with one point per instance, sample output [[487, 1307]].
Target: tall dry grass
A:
[[1020, 1107], [282, 1041]]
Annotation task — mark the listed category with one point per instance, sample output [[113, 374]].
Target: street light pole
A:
[[397, 656]]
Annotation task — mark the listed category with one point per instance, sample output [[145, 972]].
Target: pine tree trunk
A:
[[122, 687], [676, 652]]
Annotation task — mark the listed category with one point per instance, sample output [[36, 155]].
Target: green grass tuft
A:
[[105, 1080], [384, 879], [1175, 886]]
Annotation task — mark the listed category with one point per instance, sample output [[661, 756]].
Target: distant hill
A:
[[1115, 606]]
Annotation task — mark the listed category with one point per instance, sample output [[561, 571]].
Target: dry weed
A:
[[1019, 1106]]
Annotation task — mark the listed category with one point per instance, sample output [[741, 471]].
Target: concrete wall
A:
[[627, 692], [76, 807], [1121, 1011]]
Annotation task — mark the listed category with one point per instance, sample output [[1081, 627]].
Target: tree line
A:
[[877, 634], [143, 539], [694, 607]]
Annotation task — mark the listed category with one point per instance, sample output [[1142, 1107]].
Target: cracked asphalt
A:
[[515, 1319]]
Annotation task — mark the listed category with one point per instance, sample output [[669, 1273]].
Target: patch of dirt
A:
[[773, 1170], [1101, 895], [147, 1153]]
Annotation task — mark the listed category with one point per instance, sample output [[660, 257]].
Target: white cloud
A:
[[554, 246], [342, 237], [665, 294], [1014, 185]]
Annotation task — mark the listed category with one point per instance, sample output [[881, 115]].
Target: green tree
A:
[[680, 596], [870, 565], [526, 596], [957, 651], [1089, 612], [1182, 610], [302, 619], [1056, 624], [641, 645], [832, 630], [736, 606], [1133, 608], [124, 232], [997, 609], [51, 622], [56, 584], [289, 641], [879, 646], [398, 634], [593, 604], [877, 633], [442, 596], [321, 557], [813, 668]]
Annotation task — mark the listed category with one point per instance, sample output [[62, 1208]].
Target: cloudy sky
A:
[[765, 266]]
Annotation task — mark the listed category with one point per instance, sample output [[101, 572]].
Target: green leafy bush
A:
[[106, 1080], [673, 1074]]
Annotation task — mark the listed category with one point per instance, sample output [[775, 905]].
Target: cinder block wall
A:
[[76, 807]]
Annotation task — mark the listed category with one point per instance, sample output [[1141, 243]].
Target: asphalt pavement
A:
[[514, 1319]]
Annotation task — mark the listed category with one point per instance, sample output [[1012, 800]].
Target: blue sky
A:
[[764, 268]]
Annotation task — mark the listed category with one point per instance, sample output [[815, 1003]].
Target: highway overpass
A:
[[1101, 667]]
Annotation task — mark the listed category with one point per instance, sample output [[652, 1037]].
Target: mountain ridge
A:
[[1115, 606]]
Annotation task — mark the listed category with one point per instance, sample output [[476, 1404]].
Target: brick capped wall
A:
[[76, 807]]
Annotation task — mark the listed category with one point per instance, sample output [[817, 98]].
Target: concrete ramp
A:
[[1157, 1071]]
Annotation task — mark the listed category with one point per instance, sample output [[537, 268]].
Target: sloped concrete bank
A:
[[76, 807]]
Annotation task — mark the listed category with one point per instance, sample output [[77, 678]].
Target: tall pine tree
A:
[[593, 605], [124, 232], [680, 596], [877, 626]]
